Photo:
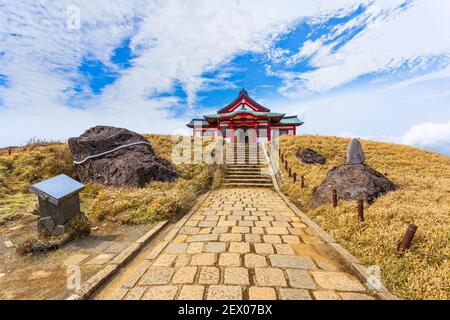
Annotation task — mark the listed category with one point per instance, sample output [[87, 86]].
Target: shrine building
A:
[[245, 120]]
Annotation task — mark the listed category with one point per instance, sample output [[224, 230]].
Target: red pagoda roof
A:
[[243, 99]]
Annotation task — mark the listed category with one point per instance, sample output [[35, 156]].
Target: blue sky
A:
[[373, 69]]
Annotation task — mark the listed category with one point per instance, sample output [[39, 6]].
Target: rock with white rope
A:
[[118, 157]]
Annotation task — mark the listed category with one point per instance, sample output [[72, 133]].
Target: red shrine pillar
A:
[[255, 133], [269, 129]]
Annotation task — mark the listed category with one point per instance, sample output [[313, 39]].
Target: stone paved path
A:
[[242, 244]]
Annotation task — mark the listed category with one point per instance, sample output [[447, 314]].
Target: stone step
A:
[[245, 173], [252, 181], [245, 165], [247, 185]]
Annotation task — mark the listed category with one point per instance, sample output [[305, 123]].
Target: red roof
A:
[[243, 98]]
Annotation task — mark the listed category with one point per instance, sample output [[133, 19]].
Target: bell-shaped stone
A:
[[355, 154]]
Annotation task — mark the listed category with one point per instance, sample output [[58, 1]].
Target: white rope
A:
[[110, 151]]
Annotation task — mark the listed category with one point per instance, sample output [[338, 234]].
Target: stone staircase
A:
[[246, 166]]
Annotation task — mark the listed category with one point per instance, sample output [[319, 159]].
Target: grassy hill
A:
[[423, 199], [38, 161]]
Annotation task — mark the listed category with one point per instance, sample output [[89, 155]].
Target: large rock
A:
[[311, 156], [352, 182], [355, 153], [132, 166]]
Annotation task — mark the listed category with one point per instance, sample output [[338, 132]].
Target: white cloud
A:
[[394, 36], [429, 135]]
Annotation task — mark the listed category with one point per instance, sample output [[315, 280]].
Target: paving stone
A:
[[203, 259], [329, 266], [295, 231], [181, 238], [239, 247], [165, 260], [215, 247], [251, 218], [276, 230], [211, 218], [290, 239], [355, 296], [240, 230], [262, 293], [245, 223], [300, 279], [191, 223], [236, 275], [270, 277], [266, 218], [337, 281], [325, 295], [234, 218], [282, 224], [189, 230], [156, 275], [160, 293], [189, 292], [230, 259], [205, 231], [184, 275], [281, 218], [177, 248], [220, 230], [270, 238], [291, 261], [264, 248], [262, 224], [226, 223], [282, 248], [254, 260], [294, 294], [203, 238], [209, 275], [298, 225], [258, 230], [101, 258], [135, 293], [182, 260], [252, 237], [195, 247], [228, 237], [224, 293], [207, 224]]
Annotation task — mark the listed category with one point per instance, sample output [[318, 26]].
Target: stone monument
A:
[[355, 153], [59, 202]]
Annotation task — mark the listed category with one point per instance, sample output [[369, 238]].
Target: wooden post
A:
[[9, 151], [294, 175], [407, 239], [302, 182], [290, 172], [361, 210], [334, 197], [285, 164]]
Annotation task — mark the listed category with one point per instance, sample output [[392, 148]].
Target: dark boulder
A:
[[132, 166], [352, 182], [311, 156]]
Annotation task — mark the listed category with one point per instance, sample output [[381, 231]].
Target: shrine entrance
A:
[[245, 135]]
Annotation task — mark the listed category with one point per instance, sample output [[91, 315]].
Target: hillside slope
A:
[[423, 199], [158, 200]]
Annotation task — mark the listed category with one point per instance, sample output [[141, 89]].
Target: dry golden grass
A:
[[423, 199], [158, 200]]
